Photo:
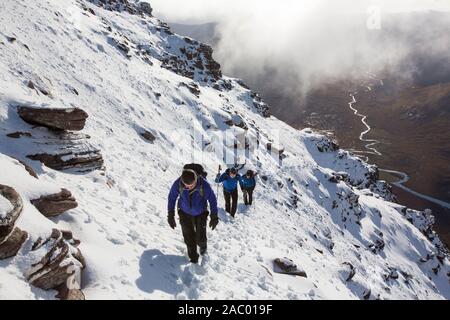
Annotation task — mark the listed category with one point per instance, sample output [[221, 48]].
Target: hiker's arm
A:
[[212, 199], [220, 178], [173, 196]]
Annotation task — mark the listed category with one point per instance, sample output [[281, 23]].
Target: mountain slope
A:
[[320, 207]]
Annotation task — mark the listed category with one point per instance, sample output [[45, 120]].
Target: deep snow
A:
[[130, 250]]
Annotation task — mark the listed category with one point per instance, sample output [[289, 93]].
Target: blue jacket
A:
[[247, 183], [229, 184], [192, 203]]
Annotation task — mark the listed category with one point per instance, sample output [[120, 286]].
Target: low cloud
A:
[[301, 43]]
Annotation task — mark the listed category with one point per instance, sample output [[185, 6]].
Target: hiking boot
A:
[[194, 260], [203, 251], [193, 255]]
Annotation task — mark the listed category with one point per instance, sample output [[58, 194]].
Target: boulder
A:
[[8, 219], [68, 150], [12, 244], [85, 161], [147, 135], [287, 266], [55, 204], [72, 119], [60, 266], [11, 238]]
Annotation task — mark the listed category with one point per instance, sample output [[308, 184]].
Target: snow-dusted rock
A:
[[11, 237], [325, 144], [148, 136], [71, 119], [9, 214], [65, 150], [60, 264], [132, 7], [55, 204], [287, 266], [12, 244]]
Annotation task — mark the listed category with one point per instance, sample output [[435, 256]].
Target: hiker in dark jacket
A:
[[193, 194], [248, 184], [230, 180]]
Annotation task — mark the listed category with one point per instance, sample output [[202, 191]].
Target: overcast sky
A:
[[195, 11], [305, 41]]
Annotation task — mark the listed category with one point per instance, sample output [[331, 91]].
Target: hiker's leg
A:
[[188, 230], [245, 192], [234, 196], [227, 197], [250, 196], [200, 231]]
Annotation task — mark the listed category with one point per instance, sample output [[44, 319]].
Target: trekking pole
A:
[[218, 195]]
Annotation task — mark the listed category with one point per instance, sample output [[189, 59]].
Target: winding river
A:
[[370, 149]]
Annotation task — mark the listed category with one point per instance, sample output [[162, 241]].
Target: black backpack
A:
[[197, 168], [201, 173]]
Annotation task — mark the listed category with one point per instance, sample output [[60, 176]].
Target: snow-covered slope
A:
[[319, 206]]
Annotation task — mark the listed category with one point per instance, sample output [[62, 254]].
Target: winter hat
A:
[[189, 177], [249, 173], [233, 171]]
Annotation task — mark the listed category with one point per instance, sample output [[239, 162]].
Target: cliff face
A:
[[104, 105]]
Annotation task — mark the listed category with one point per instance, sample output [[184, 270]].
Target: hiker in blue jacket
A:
[[193, 193], [248, 185], [230, 180]]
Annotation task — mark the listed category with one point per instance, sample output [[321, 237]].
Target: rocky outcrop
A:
[[67, 150], [131, 7], [64, 149], [424, 221], [347, 204], [11, 237], [84, 161], [260, 105], [71, 119], [325, 144], [194, 61], [13, 243], [55, 204], [192, 87], [60, 266], [238, 121]]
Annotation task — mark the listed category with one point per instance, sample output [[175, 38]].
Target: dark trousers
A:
[[248, 196], [231, 199], [194, 232]]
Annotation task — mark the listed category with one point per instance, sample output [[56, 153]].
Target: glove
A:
[[171, 220], [214, 221]]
